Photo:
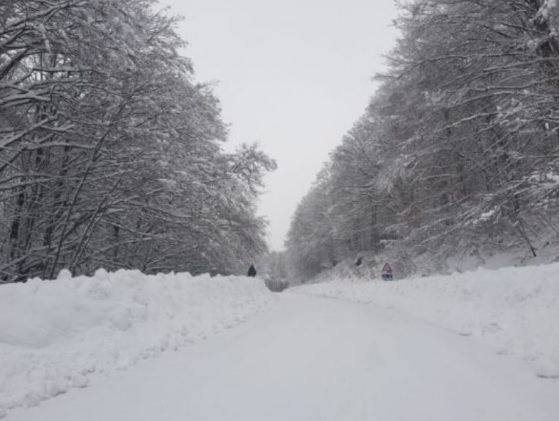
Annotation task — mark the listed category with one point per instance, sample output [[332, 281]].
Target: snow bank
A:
[[57, 335], [515, 310]]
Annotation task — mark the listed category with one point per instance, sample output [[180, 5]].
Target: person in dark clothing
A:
[[251, 271]]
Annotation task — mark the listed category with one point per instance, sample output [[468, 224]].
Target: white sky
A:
[[293, 75]]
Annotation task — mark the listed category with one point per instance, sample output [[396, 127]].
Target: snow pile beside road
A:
[[55, 335], [515, 310]]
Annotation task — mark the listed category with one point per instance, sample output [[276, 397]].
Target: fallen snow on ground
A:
[[315, 359], [57, 335], [515, 310]]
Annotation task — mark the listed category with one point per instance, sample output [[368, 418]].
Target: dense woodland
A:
[[110, 153], [458, 150]]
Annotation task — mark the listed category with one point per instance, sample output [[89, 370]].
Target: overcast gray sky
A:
[[293, 75]]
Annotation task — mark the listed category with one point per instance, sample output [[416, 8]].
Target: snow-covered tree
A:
[[110, 153], [458, 149]]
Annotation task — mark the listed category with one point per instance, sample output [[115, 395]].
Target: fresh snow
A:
[[313, 359], [514, 310], [477, 346], [55, 336]]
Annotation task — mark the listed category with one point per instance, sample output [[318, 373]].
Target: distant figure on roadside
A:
[[251, 271], [359, 261]]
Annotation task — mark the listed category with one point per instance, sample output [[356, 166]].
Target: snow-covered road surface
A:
[[320, 359]]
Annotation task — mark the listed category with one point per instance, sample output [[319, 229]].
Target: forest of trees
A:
[[110, 153], [458, 150]]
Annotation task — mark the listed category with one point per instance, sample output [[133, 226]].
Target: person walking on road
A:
[[252, 271]]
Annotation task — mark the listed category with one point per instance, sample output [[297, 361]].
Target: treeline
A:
[[110, 152], [458, 150]]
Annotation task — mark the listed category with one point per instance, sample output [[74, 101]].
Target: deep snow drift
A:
[[56, 335], [315, 359], [515, 310]]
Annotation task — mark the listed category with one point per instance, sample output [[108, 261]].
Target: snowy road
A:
[[317, 359]]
